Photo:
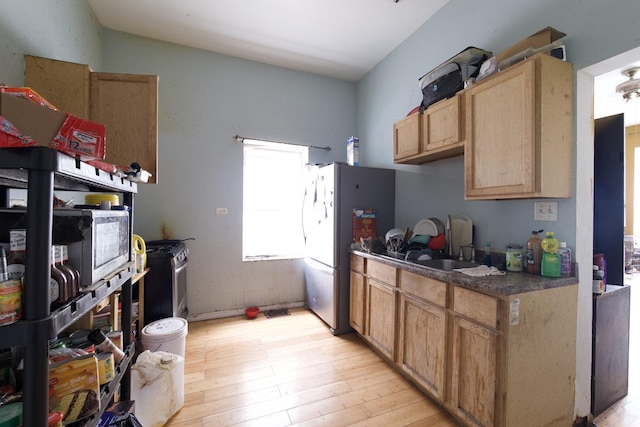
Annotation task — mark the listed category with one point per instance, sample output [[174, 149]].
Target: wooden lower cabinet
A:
[[490, 360], [473, 366], [381, 317], [422, 344], [357, 302]]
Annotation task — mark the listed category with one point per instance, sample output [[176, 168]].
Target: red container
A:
[[252, 312]]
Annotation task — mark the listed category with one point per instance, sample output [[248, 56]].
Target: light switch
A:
[[221, 211], [545, 211]]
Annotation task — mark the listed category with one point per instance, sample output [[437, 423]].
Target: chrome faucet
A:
[[449, 237]]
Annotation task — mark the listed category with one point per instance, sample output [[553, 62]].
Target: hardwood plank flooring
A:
[[291, 371]]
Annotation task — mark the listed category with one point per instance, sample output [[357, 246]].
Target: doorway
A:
[[609, 103]]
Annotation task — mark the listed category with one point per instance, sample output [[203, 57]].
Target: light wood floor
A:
[[290, 370]]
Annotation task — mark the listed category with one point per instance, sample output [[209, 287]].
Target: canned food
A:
[[106, 370], [10, 301], [514, 257]]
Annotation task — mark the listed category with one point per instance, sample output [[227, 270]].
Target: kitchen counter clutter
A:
[[493, 351], [508, 284]]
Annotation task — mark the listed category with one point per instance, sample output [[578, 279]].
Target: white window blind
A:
[[273, 192]]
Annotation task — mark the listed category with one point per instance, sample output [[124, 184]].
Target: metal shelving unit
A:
[[40, 170]]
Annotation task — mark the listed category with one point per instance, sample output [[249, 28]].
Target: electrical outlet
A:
[[545, 211], [221, 211]]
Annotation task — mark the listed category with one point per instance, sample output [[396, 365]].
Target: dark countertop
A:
[[507, 284]]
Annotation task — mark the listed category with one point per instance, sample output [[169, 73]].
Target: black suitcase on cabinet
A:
[[448, 78]]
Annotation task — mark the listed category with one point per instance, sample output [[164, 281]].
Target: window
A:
[[273, 191]]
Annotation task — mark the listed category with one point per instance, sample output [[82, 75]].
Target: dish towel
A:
[[481, 270]]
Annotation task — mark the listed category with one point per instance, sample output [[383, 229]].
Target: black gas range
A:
[[165, 288]]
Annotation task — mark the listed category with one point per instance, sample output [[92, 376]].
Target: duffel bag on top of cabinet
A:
[[448, 78]]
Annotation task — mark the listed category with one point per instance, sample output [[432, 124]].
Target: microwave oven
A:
[[98, 241]]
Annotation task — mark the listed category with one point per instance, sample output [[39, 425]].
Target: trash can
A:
[[165, 335]]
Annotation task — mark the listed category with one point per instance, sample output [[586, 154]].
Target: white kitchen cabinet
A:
[[519, 138]]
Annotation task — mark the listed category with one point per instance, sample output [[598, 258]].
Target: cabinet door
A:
[[406, 137], [443, 126], [381, 317], [473, 380], [64, 84], [127, 104], [500, 156], [422, 338], [519, 138], [357, 302]]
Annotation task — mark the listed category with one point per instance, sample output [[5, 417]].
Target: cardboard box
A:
[[364, 223], [24, 124], [28, 93], [541, 38]]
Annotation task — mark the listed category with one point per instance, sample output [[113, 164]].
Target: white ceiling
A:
[[343, 39], [607, 101]]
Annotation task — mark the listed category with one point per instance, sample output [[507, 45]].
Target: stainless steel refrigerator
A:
[[332, 191]]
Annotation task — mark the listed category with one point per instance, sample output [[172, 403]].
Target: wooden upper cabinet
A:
[[443, 127], [435, 134], [519, 139], [127, 104], [64, 84], [406, 137]]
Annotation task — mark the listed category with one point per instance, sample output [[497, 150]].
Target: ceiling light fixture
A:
[[631, 86]]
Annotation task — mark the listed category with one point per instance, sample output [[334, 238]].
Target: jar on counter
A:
[[513, 257]]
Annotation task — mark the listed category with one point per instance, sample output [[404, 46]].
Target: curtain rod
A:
[[241, 139]]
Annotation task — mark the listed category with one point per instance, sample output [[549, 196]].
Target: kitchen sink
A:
[[445, 263]]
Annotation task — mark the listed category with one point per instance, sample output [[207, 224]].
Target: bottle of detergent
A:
[[534, 253], [550, 265]]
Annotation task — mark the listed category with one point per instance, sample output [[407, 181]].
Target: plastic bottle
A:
[[598, 282], [565, 259], [550, 264], [58, 285], [487, 254], [17, 252], [73, 275], [534, 252]]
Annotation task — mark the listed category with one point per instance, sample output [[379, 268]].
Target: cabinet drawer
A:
[[428, 289], [357, 263], [381, 272], [476, 306]]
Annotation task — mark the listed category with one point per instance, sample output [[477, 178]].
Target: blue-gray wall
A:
[[204, 100], [595, 31]]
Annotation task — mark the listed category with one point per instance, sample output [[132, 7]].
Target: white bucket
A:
[[157, 387], [165, 335]]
